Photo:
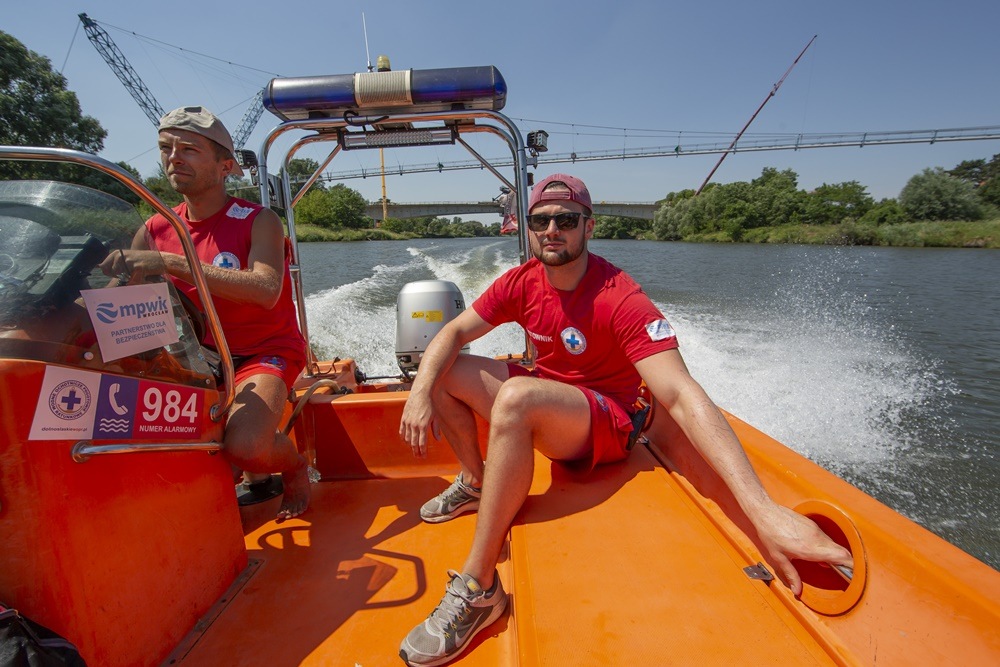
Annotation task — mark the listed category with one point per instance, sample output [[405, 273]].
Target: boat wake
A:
[[359, 319], [822, 371]]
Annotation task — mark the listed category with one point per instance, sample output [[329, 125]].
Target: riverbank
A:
[[949, 234]]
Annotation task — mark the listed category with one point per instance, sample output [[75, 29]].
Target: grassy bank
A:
[[980, 234], [948, 234], [306, 233]]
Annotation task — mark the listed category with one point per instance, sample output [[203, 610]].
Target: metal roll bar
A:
[[330, 130]]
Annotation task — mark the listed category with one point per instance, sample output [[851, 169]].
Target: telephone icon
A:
[[113, 399]]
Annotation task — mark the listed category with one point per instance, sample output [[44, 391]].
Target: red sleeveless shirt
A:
[[224, 240]]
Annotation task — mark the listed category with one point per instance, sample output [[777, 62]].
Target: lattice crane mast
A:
[[123, 70], [140, 93], [250, 119]]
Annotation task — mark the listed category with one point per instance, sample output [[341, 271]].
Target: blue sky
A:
[[623, 73]]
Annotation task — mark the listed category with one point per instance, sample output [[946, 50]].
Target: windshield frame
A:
[[65, 155]]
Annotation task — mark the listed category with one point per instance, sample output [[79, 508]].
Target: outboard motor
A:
[[422, 309]]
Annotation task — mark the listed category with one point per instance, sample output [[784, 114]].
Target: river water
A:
[[880, 364]]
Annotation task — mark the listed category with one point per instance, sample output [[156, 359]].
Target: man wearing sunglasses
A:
[[597, 335]]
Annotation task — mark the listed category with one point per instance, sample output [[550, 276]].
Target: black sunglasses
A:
[[540, 222]]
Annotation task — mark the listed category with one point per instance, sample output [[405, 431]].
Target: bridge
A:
[[625, 209], [795, 142]]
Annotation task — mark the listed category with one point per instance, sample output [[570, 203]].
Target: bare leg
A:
[[528, 413], [470, 387], [253, 443]]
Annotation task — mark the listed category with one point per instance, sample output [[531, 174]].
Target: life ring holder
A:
[[828, 590]]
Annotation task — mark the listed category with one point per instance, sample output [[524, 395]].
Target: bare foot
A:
[[296, 498]]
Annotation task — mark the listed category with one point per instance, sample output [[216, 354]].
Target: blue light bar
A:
[[380, 93]]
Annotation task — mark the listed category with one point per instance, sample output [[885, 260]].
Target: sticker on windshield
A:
[[132, 319]]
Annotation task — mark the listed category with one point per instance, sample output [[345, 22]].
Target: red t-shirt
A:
[[224, 240], [591, 336]]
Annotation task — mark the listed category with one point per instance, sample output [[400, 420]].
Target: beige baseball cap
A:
[[202, 121]]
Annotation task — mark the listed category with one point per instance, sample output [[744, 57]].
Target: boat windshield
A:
[[58, 306]]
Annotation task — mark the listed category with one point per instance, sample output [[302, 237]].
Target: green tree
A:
[[685, 217], [886, 212], [776, 199], [314, 209], [349, 207], [339, 206], [160, 186], [833, 204], [971, 171], [465, 229], [989, 191], [674, 197], [731, 209], [299, 171], [400, 226], [989, 186], [617, 227], [37, 110], [934, 194], [437, 228]]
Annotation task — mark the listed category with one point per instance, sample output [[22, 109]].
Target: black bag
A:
[[24, 643]]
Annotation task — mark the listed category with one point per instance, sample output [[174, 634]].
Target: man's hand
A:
[[788, 535], [137, 264], [418, 417]]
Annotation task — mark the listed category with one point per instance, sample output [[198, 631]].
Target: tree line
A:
[[36, 109], [968, 192]]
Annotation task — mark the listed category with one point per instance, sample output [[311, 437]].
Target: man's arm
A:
[[784, 533], [259, 284], [418, 414]]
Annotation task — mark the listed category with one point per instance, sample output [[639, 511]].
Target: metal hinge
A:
[[758, 571]]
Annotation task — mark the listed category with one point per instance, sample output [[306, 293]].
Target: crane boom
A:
[[250, 119], [771, 94], [140, 93], [123, 70]]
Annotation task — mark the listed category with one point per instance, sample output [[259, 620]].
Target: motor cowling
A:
[[422, 309]]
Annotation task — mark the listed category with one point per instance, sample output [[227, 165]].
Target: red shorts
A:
[[610, 424], [286, 365]]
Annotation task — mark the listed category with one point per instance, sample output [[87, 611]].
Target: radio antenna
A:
[[364, 27]]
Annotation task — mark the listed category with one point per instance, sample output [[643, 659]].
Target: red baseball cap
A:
[[576, 191]]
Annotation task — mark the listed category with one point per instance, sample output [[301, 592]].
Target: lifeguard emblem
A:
[[573, 340], [227, 260], [69, 400]]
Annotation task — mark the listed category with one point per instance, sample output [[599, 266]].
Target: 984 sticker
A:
[[76, 404]]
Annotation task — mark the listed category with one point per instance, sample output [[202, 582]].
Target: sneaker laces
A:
[[454, 605], [458, 490]]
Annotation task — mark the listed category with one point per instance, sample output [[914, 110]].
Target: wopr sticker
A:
[[66, 405]]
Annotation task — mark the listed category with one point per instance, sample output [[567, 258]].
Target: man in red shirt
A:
[[597, 335], [242, 249]]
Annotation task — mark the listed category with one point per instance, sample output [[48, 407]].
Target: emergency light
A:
[[378, 93]]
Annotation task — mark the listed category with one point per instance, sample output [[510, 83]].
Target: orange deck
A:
[[591, 585], [639, 563]]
